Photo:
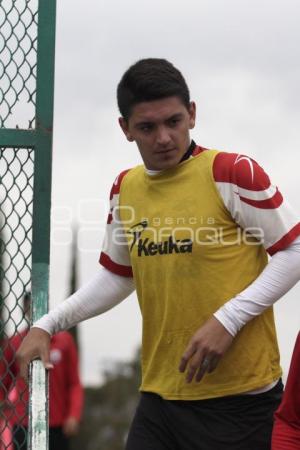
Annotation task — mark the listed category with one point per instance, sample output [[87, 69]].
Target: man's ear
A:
[[192, 113], [124, 125]]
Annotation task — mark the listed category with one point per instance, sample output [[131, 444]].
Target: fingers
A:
[[204, 367], [214, 361], [45, 356], [197, 362], [193, 366], [205, 349], [207, 365], [199, 365], [36, 345], [186, 357], [23, 367]]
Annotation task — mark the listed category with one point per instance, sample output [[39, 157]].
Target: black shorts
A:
[[240, 422]]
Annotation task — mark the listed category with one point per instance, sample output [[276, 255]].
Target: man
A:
[[189, 230], [286, 431], [65, 389]]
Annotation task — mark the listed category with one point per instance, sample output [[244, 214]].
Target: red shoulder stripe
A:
[[285, 241], [240, 170], [270, 203], [110, 217], [118, 269], [117, 184]]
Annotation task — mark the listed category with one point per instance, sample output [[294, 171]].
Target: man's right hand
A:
[[36, 345]]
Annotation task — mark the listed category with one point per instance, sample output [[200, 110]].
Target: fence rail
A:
[[27, 48]]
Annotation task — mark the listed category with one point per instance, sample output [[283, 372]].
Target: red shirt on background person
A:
[[286, 430], [65, 389]]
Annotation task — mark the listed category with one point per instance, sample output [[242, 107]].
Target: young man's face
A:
[[160, 129]]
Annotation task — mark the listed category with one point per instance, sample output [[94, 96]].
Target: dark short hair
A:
[[150, 79]]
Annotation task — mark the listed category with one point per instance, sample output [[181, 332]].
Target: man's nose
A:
[[163, 136]]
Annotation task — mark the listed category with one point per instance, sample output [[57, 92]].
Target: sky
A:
[[241, 61]]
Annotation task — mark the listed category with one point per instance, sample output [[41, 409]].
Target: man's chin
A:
[[167, 161]]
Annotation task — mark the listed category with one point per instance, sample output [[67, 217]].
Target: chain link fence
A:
[[18, 95], [18, 61], [16, 194]]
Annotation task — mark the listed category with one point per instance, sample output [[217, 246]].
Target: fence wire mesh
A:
[[16, 197], [18, 60], [18, 64]]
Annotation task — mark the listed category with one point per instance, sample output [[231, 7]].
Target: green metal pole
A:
[[38, 405]]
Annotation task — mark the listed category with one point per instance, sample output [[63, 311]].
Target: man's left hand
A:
[[205, 350]]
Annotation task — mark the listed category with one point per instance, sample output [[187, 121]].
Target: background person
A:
[[286, 431], [65, 389]]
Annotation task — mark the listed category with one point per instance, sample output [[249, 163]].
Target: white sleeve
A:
[[115, 253], [254, 202], [104, 291], [279, 276]]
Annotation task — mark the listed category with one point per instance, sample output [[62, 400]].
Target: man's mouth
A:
[[165, 151]]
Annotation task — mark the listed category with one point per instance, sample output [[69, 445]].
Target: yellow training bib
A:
[[188, 258]]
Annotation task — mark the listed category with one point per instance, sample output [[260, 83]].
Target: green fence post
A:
[[38, 429]]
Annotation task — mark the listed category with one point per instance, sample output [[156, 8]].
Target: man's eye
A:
[[174, 122], [146, 128]]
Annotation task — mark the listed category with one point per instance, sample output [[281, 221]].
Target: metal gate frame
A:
[[40, 140]]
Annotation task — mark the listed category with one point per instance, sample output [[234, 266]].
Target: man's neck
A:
[[186, 156]]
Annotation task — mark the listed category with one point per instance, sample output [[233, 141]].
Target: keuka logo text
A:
[[147, 248]]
